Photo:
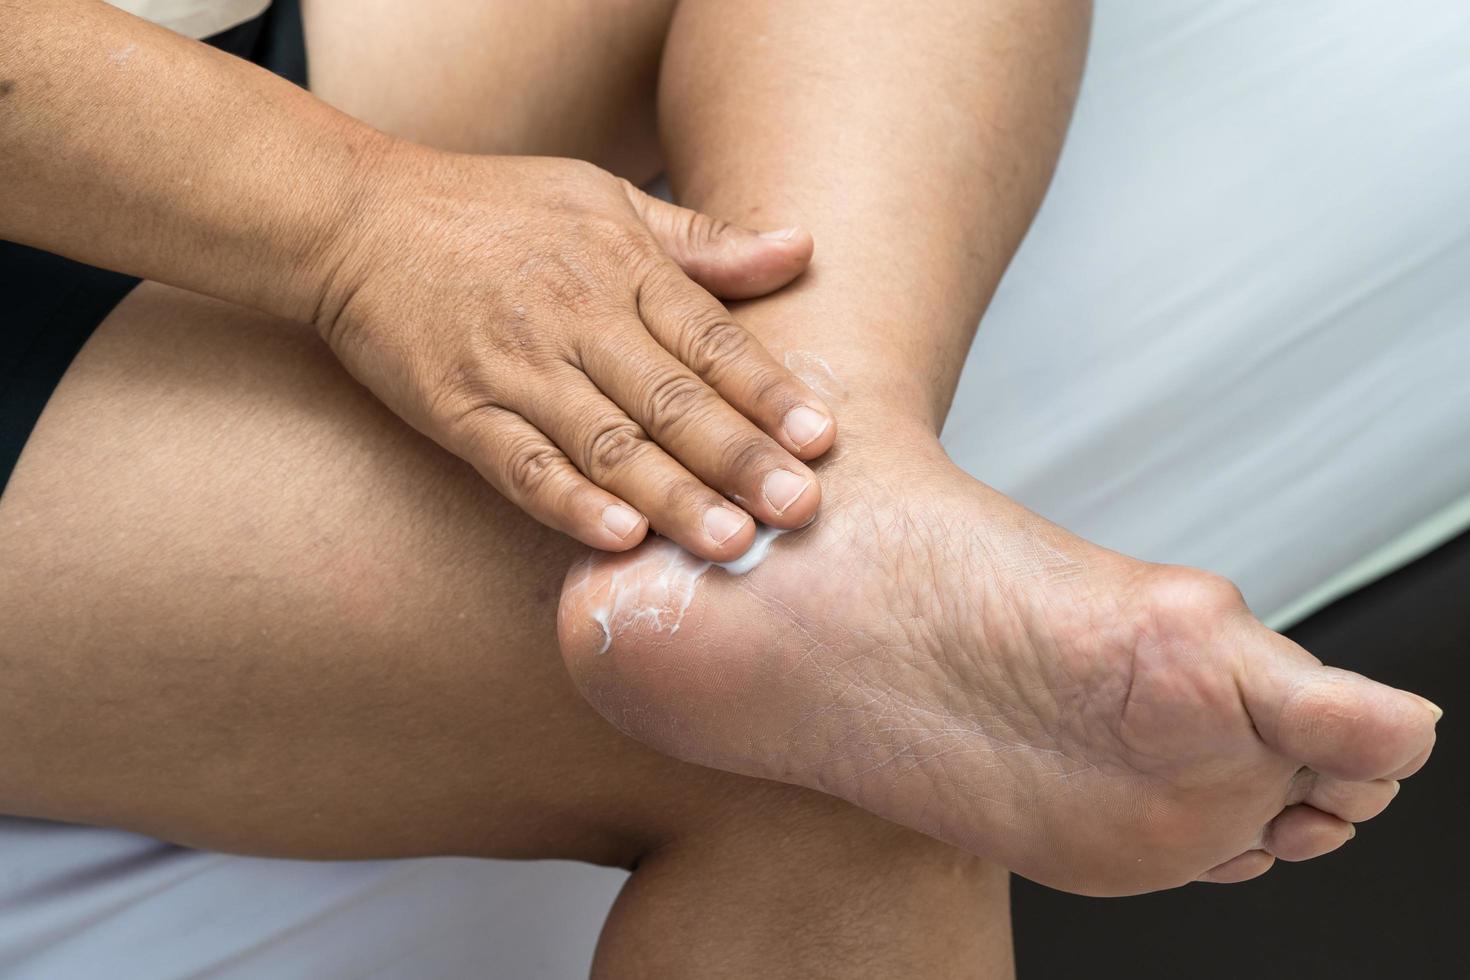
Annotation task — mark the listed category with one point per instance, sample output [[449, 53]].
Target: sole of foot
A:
[[942, 657]]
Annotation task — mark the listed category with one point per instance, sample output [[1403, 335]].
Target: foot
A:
[[940, 656]]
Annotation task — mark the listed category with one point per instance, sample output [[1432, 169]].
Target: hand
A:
[[545, 321]]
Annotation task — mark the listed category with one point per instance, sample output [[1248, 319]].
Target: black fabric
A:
[[1391, 903], [49, 305]]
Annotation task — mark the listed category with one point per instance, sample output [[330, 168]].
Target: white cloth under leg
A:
[[1238, 337]]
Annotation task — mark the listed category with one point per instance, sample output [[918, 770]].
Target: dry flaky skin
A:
[[652, 593], [939, 655]]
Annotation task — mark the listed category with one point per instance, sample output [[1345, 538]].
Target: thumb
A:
[[730, 261]]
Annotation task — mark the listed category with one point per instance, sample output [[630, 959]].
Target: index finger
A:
[[697, 329]]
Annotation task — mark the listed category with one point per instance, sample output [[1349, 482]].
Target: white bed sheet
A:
[[1238, 337]]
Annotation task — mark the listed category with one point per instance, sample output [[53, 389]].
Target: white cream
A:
[[816, 372], [653, 591]]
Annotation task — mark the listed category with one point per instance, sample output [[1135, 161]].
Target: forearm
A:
[[914, 141], [130, 147]]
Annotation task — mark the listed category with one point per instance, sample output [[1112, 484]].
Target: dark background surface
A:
[[1394, 902]]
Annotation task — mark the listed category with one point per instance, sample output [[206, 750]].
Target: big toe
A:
[[1337, 722]]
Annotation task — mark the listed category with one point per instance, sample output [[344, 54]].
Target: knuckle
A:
[[476, 433], [462, 387], [612, 446], [688, 496], [773, 388], [531, 468], [714, 343], [463, 404], [702, 231], [674, 398], [746, 454]]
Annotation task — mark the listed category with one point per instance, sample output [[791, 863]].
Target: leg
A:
[[247, 609], [928, 649], [292, 626], [571, 78], [877, 905], [58, 480]]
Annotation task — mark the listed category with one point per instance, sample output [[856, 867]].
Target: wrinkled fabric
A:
[[1238, 334]]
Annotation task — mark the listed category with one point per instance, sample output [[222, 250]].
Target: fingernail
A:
[[782, 488], [1396, 788], [780, 234], [1352, 831], [620, 520], [804, 425], [1436, 709], [722, 523]]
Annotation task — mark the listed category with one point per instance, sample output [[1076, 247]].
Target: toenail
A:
[[805, 425], [620, 520], [722, 523], [782, 488]]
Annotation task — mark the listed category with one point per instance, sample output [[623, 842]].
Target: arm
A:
[[130, 147], [536, 317]]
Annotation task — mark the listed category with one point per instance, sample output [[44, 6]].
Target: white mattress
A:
[[1238, 336]]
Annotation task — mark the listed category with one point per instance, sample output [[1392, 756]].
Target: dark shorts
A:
[[49, 305]]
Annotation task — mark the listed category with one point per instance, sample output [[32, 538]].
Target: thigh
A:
[[246, 607], [571, 78]]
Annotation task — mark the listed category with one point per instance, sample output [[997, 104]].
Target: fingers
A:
[[703, 432], [534, 475], [616, 453], [698, 331], [1242, 867], [1300, 833], [730, 261]]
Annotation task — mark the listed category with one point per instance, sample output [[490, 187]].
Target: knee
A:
[[765, 873]]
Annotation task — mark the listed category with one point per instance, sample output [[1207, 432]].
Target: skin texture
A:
[[295, 627], [928, 649], [253, 610], [292, 626], [538, 317]]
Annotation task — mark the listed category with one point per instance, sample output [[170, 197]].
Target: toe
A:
[[1414, 764], [1242, 867], [1340, 723], [1300, 833], [1350, 801]]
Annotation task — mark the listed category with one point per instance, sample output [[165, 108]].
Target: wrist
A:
[[325, 226]]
